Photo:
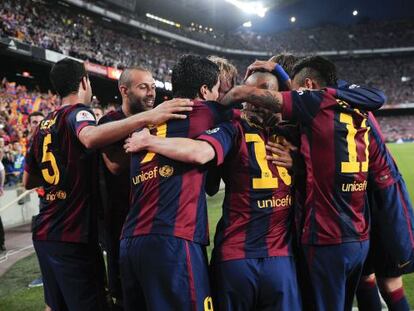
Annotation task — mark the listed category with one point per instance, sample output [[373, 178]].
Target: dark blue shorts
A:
[[334, 272], [73, 275], [165, 273], [256, 284]]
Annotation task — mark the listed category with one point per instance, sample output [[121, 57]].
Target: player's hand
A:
[[281, 153], [171, 109], [138, 141], [261, 65]]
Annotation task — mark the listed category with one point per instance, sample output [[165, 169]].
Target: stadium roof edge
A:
[[137, 24], [132, 22]]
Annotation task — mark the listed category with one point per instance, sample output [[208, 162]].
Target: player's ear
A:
[[123, 90], [309, 84], [203, 91], [84, 83]]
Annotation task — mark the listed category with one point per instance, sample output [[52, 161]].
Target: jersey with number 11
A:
[[334, 144], [57, 157]]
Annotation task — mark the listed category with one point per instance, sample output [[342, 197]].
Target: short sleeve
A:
[[301, 106], [221, 138], [80, 118], [30, 163], [383, 171]]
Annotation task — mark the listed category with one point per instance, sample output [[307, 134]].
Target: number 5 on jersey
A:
[[51, 175]]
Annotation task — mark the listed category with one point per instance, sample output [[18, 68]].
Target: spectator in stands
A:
[[2, 179], [98, 112]]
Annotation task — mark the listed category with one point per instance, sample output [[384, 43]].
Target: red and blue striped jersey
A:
[[390, 204], [167, 196], [116, 186], [334, 145], [68, 208], [256, 221]]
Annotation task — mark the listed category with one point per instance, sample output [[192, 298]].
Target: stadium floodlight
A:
[[162, 20], [247, 24], [355, 13], [254, 7], [293, 19]]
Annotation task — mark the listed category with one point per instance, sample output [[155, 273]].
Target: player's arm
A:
[[179, 149], [272, 67], [31, 181], [267, 99], [93, 137], [115, 159], [362, 97]]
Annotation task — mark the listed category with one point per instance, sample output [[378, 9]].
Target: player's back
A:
[[334, 144], [257, 204], [167, 196], [66, 169]]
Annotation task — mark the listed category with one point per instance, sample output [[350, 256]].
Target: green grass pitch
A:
[[14, 294]]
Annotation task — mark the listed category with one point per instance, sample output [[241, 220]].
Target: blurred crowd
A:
[[85, 37], [397, 128], [16, 105], [80, 35]]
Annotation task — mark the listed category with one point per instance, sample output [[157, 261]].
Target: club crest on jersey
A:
[[166, 171], [84, 116], [212, 131]]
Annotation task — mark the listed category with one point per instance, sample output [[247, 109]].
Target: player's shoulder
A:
[[113, 115]]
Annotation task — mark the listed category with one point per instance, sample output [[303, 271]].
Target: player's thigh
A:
[[80, 274], [175, 275], [236, 284], [279, 288], [129, 259], [327, 275], [52, 292]]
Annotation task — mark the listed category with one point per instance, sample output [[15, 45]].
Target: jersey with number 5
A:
[[65, 166], [334, 144], [257, 207]]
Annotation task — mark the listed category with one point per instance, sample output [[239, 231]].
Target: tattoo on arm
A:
[[265, 99]]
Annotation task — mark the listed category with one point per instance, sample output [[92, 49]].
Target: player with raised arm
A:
[[252, 244], [334, 144], [65, 230], [162, 252]]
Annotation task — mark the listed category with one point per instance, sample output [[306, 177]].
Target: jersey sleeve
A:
[[383, 170], [301, 106], [221, 139], [30, 163], [361, 97], [80, 118]]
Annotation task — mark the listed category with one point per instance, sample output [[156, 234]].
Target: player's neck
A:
[[71, 99], [125, 110]]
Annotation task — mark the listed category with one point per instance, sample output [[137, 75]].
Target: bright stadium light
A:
[[163, 20], [293, 19], [247, 24], [355, 13], [255, 7]]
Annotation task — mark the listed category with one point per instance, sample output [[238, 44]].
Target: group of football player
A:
[[315, 210]]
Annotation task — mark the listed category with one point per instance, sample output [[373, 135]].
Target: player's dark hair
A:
[[286, 60], [35, 114], [191, 73], [317, 68], [66, 75]]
